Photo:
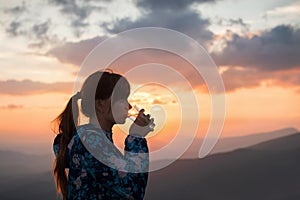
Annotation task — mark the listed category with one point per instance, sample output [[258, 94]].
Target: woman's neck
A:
[[104, 125]]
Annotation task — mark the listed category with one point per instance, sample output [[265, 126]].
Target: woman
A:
[[97, 169]]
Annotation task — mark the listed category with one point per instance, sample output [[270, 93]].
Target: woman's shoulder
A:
[[84, 134], [86, 130], [81, 132]]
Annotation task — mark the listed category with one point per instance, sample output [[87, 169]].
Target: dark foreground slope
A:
[[267, 171], [24, 176]]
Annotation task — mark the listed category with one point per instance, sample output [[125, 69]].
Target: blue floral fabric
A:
[[105, 173]]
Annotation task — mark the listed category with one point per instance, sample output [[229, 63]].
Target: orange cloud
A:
[[11, 106], [240, 77], [157, 101], [27, 87], [254, 70], [162, 101]]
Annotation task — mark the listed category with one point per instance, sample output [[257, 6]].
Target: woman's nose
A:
[[129, 106]]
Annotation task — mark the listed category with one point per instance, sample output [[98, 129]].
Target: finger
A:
[[145, 118], [150, 128], [142, 111], [141, 121], [151, 121], [151, 125]]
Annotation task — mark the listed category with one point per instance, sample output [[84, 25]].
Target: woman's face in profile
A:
[[119, 110]]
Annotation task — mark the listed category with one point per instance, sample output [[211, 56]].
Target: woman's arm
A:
[[130, 171], [137, 181]]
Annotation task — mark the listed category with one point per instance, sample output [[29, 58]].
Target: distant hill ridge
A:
[[232, 143], [19, 163], [290, 142], [269, 170]]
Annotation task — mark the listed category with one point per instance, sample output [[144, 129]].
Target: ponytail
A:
[[67, 122]]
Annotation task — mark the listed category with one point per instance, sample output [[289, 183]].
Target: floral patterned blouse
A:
[[98, 170]]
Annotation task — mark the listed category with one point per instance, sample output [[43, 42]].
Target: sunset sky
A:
[[255, 45]]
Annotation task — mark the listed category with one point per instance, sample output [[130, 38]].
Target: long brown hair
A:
[[67, 121]]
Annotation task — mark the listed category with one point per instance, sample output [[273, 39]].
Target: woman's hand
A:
[[142, 125]]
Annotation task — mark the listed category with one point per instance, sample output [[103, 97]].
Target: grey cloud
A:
[[79, 23], [276, 49], [79, 11], [78, 26], [234, 22], [17, 9], [75, 52], [238, 21], [37, 34], [37, 30], [168, 4], [186, 21], [172, 14], [41, 29], [14, 29], [27, 87], [234, 78]]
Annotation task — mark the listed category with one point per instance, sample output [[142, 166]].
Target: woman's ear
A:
[[99, 105], [102, 106]]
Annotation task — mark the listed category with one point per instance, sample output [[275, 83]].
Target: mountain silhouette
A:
[[228, 144], [269, 171], [19, 163]]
